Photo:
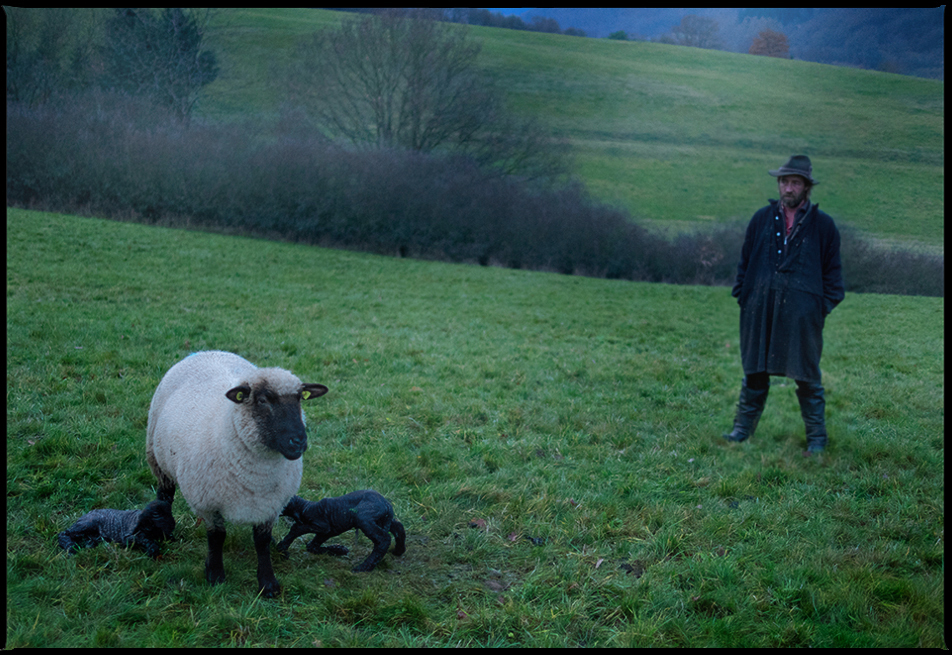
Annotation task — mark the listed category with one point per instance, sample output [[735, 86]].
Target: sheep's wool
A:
[[209, 446]]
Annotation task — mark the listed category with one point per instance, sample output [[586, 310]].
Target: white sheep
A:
[[230, 435]]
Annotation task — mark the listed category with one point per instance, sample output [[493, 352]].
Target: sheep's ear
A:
[[313, 391], [238, 394]]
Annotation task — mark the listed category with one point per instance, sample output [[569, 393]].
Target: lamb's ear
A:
[[313, 391], [239, 393]]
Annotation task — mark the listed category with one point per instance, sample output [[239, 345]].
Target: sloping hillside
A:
[[680, 135]]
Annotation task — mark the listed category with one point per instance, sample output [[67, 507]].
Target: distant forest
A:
[[893, 40]]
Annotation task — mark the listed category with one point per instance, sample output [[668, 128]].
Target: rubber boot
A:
[[812, 409], [749, 409]]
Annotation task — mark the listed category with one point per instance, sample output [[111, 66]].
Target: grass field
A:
[[550, 442], [682, 137]]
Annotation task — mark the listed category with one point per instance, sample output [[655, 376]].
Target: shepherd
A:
[[789, 279]]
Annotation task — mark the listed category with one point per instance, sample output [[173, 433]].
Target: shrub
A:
[[115, 156], [871, 269]]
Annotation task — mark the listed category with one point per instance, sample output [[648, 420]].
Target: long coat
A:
[[785, 292]]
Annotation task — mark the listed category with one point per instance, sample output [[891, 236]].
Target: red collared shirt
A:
[[792, 216]]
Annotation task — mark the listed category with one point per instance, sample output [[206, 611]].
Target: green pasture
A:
[[551, 443], [681, 137]]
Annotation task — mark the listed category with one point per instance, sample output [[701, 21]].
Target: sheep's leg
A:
[[381, 539], [214, 565], [268, 585], [166, 486], [166, 489]]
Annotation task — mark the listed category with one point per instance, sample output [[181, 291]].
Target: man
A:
[[788, 279]]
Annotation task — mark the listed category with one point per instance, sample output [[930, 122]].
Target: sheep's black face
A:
[[277, 419], [280, 425]]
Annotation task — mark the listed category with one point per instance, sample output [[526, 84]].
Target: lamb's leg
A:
[[72, 540], [316, 548], [214, 565], [145, 544], [401, 537], [66, 543], [296, 531], [82, 534], [268, 585], [381, 539]]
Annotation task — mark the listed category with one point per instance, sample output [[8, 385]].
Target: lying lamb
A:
[[363, 510], [142, 529], [230, 435]]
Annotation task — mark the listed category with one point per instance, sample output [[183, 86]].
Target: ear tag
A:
[[239, 396], [305, 394]]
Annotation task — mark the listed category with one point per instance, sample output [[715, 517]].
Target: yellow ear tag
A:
[[305, 394], [240, 396]]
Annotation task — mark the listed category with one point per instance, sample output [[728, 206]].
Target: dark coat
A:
[[786, 291]]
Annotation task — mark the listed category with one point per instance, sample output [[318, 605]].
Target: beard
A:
[[791, 200]]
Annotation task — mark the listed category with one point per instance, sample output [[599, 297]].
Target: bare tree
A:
[[697, 31], [771, 44], [403, 80], [395, 80]]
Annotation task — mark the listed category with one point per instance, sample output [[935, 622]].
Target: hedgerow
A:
[[119, 158]]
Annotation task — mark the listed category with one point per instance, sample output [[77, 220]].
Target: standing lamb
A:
[[365, 510], [231, 436]]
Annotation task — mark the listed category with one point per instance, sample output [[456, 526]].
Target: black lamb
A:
[[142, 529], [364, 510]]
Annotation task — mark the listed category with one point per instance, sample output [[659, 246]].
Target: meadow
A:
[[551, 443], [680, 137]]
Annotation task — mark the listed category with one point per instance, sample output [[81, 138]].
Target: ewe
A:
[[230, 436]]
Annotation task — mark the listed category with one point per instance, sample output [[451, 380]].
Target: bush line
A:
[[115, 158]]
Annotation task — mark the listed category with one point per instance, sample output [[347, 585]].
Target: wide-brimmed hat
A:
[[797, 165]]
